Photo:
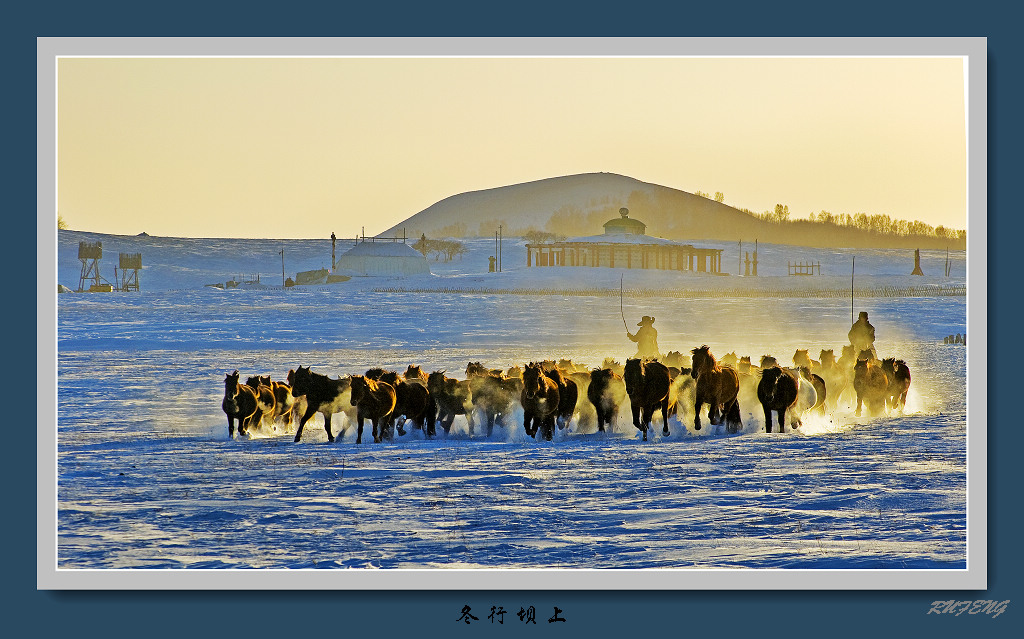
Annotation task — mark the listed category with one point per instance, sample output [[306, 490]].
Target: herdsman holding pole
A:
[[862, 334], [646, 339]]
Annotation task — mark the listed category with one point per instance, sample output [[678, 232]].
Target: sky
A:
[[300, 147]]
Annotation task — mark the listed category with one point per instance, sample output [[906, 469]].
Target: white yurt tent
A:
[[375, 258]]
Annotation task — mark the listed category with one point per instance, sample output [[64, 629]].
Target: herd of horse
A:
[[551, 394]]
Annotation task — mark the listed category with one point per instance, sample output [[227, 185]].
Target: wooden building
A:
[[625, 244]]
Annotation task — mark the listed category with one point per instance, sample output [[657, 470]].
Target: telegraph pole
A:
[[282, 268]]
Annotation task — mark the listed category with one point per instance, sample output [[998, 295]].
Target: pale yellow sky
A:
[[302, 147]]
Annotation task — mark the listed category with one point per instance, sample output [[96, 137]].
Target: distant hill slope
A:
[[581, 204]]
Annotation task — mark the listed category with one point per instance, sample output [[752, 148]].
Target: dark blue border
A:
[[338, 613]]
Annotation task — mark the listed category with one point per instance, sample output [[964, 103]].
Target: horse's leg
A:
[[859, 399], [636, 416], [359, 427], [782, 420], [231, 426], [736, 415], [697, 404], [490, 422], [767, 418], [310, 411], [664, 417], [327, 426]]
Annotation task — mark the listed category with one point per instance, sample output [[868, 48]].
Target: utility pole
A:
[[282, 268], [499, 248]]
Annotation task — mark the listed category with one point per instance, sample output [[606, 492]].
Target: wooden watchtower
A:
[[89, 253], [131, 264]]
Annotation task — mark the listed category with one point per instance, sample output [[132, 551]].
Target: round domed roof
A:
[[624, 226]]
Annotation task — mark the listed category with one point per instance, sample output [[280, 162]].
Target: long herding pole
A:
[[852, 269], [620, 305]]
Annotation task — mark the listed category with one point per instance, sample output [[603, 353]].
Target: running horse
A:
[[647, 385], [717, 387], [239, 404], [374, 401], [539, 399]]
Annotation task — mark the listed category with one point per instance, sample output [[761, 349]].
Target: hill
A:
[[580, 204]]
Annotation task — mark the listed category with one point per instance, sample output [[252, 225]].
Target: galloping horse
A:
[[493, 394], [239, 404], [899, 382], [777, 391], [322, 395], [871, 384], [451, 397], [820, 391], [412, 401], [835, 378], [717, 387], [539, 399], [606, 392], [374, 401], [568, 395], [266, 401], [647, 385]]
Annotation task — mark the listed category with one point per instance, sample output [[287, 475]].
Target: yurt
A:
[[376, 258]]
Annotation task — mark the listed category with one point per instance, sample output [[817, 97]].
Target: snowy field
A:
[[148, 478]]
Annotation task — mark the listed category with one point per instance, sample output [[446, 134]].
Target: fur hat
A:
[[646, 319], [863, 314]]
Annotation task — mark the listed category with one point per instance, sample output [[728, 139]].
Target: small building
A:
[[381, 256], [625, 244]]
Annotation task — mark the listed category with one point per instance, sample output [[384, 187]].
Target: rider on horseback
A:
[[862, 334], [646, 339]]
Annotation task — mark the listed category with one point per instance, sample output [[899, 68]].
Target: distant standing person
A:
[[646, 339], [862, 334]]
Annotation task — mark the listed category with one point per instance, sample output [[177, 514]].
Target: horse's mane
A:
[[705, 350]]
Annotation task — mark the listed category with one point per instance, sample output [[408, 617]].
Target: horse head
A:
[[729, 359], [703, 361], [231, 383], [360, 385], [633, 376], [744, 364], [767, 361], [801, 358], [828, 358], [532, 375]]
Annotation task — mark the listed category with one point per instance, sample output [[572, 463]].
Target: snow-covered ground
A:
[[147, 477]]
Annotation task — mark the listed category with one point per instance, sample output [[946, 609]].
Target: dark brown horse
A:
[[451, 397], [412, 401], [266, 402], [777, 391], [871, 385], [568, 396], [820, 391], [647, 385], [606, 392], [899, 382], [717, 387], [539, 400], [239, 404], [265, 399], [374, 401], [493, 393], [322, 395]]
